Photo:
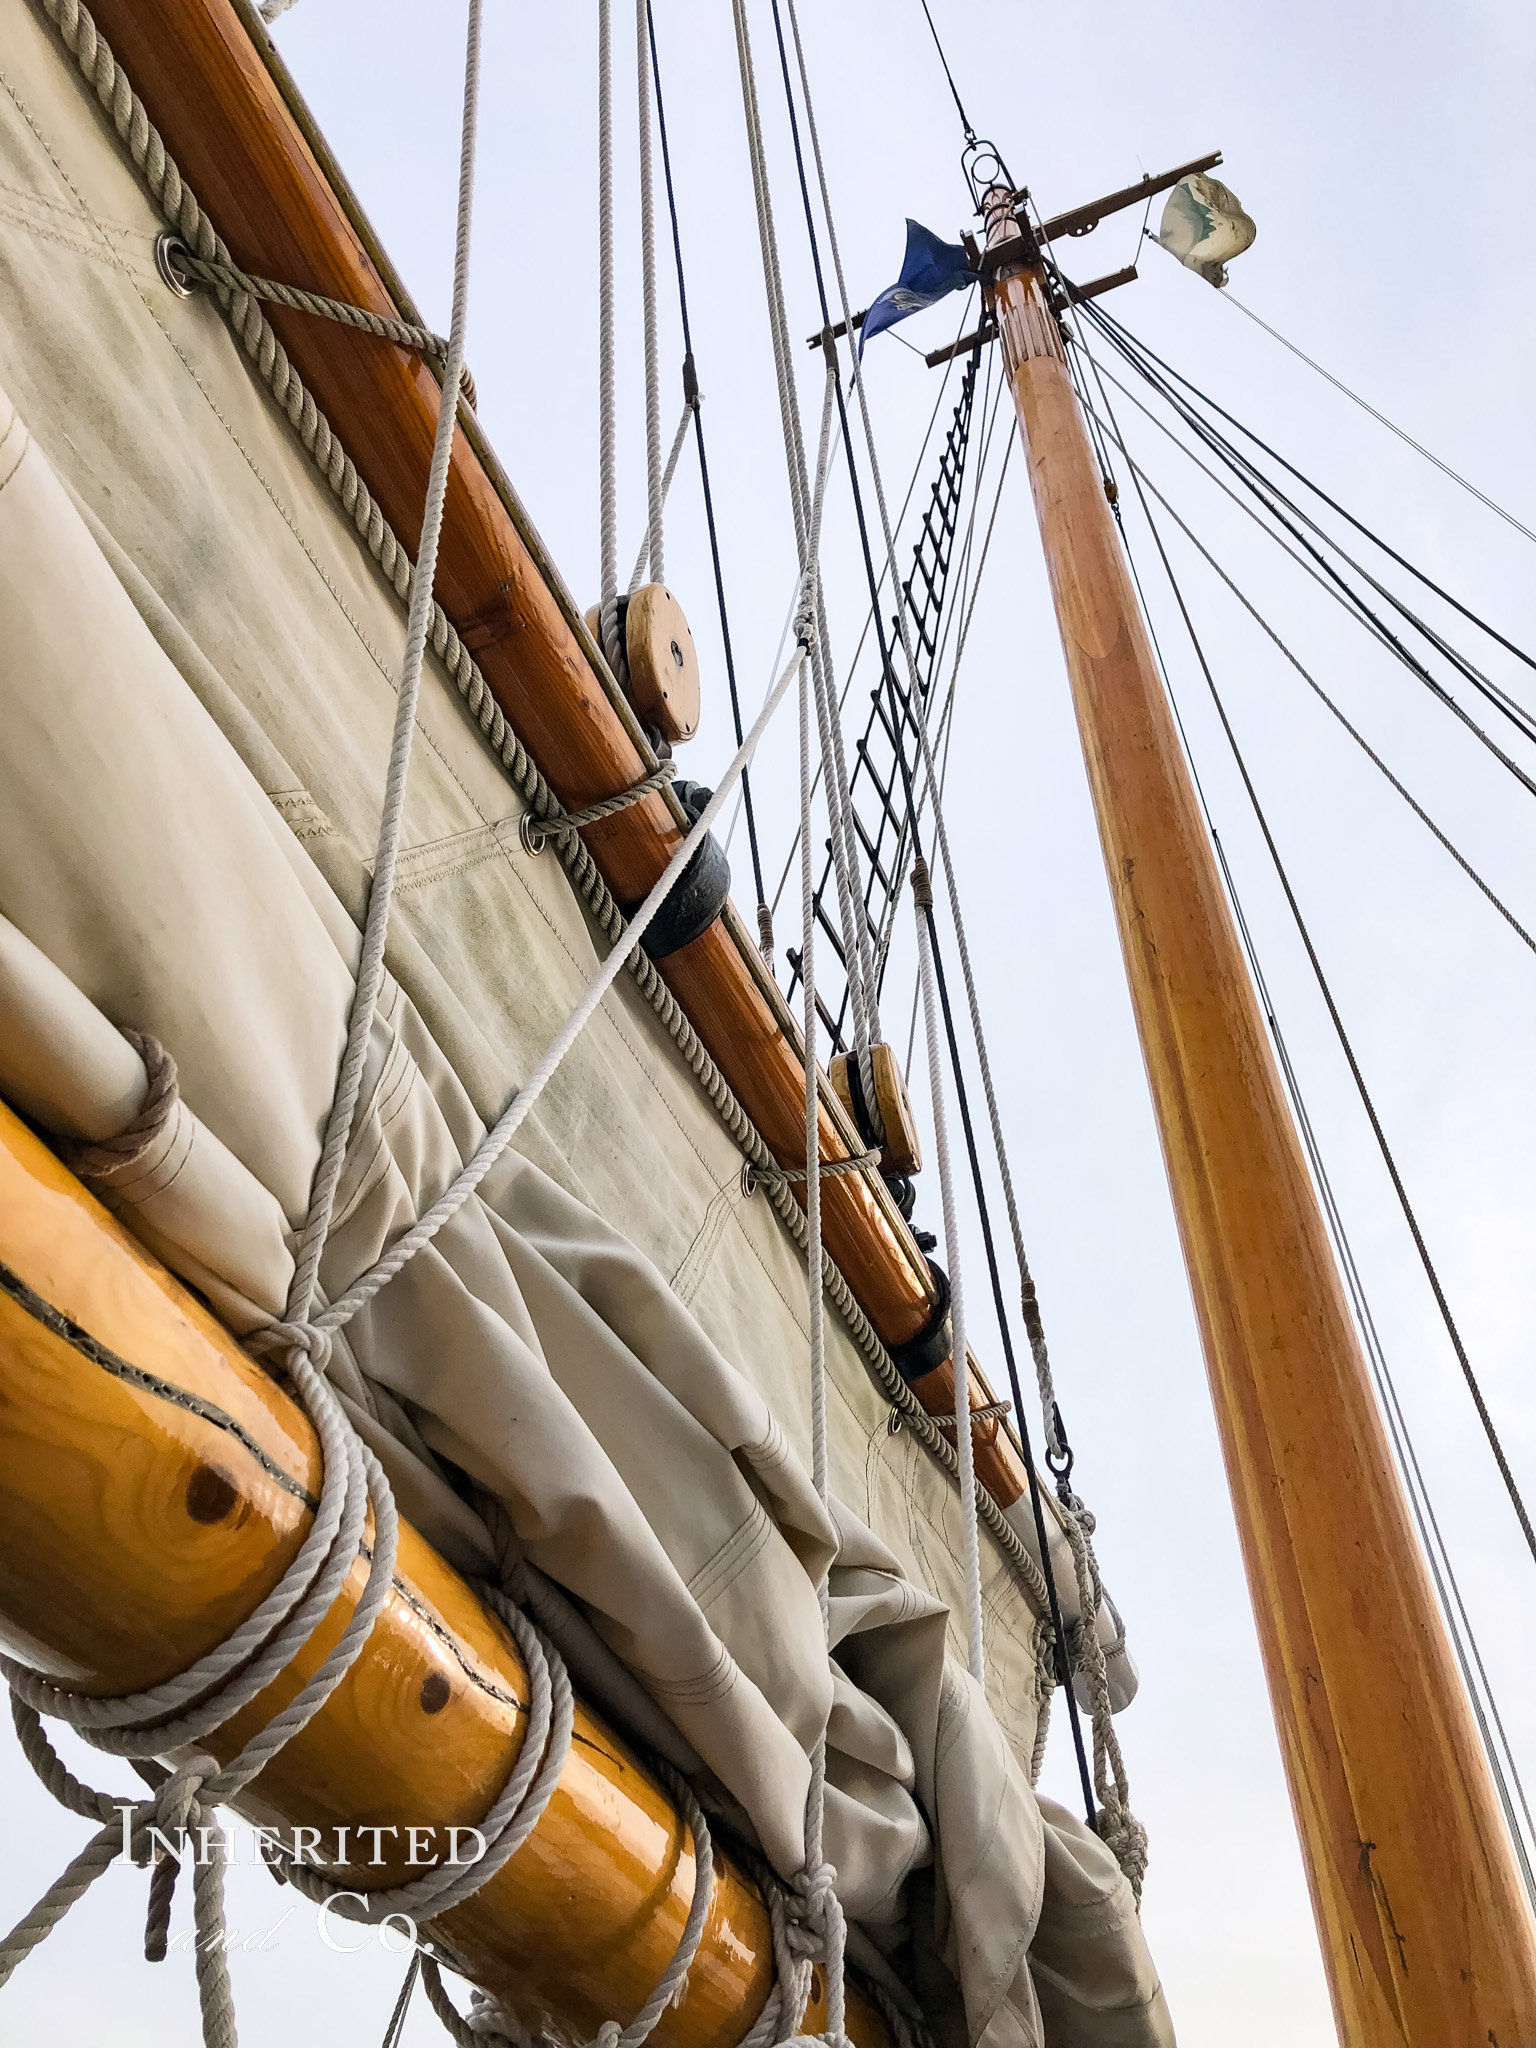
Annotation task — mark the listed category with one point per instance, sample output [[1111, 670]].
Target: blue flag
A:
[[930, 269]]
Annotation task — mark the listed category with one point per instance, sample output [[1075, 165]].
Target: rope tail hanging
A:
[[1116, 1822], [820, 1910]]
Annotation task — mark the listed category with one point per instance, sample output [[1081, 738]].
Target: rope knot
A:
[[1126, 1839], [806, 632], [813, 1910], [177, 1809], [295, 1341]]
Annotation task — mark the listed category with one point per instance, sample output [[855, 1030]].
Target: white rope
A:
[[857, 953], [607, 424], [1117, 1824], [654, 487], [690, 406], [184, 1709], [820, 1910], [965, 1442]]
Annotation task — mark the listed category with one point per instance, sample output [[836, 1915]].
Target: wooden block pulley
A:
[[901, 1153], [663, 668]]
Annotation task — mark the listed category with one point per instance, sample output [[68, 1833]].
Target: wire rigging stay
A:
[[1410, 1217], [1497, 1747], [881, 821]]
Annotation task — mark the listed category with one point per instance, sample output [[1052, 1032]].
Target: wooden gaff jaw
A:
[[137, 1530], [1425, 1929]]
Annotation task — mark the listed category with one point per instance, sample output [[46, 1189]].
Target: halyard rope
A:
[[179, 207], [857, 954], [1117, 1824], [819, 1908], [922, 896]]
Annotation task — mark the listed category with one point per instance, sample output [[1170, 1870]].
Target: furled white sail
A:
[[197, 671]]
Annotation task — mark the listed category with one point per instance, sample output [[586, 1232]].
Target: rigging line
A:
[[1365, 406], [1328, 585], [1260, 487], [1388, 1158], [889, 677], [1312, 684], [1256, 481], [950, 612], [1111, 323], [1252, 476], [1436, 1551], [870, 614], [1397, 1423], [691, 389], [1037, 1507], [944, 729], [965, 119]]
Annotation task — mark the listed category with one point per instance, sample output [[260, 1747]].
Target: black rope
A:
[[1267, 494], [965, 119], [691, 392], [1388, 1158], [1437, 1551], [1311, 681], [901, 707], [1131, 346], [1037, 1506], [1329, 586]]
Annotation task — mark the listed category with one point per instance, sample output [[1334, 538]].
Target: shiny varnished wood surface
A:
[[1425, 1928], [240, 148], [150, 1498]]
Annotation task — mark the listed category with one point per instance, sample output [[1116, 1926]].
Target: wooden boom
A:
[[244, 142], [155, 1484], [1425, 1928]]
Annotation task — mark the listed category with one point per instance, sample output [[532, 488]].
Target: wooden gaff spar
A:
[[234, 122], [153, 1487], [1425, 1929]]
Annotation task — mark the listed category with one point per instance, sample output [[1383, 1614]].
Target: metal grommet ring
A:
[[168, 248], [893, 1426], [748, 1180], [532, 833]]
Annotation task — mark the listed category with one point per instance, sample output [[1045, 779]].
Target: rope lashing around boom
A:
[[185, 1709], [537, 832], [179, 206]]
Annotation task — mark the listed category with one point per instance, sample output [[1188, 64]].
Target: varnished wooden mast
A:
[[1425, 1929], [155, 1484]]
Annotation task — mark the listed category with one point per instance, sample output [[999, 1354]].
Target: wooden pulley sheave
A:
[[900, 1151], [663, 679]]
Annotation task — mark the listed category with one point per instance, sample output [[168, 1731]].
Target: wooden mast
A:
[[1425, 1928]]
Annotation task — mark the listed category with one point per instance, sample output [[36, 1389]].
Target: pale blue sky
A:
[[1386, 155]]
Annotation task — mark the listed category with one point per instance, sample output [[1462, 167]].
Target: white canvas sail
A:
[[198, 674]]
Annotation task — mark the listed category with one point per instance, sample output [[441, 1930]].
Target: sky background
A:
[[1386, 154]]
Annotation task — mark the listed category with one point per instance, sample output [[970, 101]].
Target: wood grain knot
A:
[[210, 1494], [435, 1691]]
